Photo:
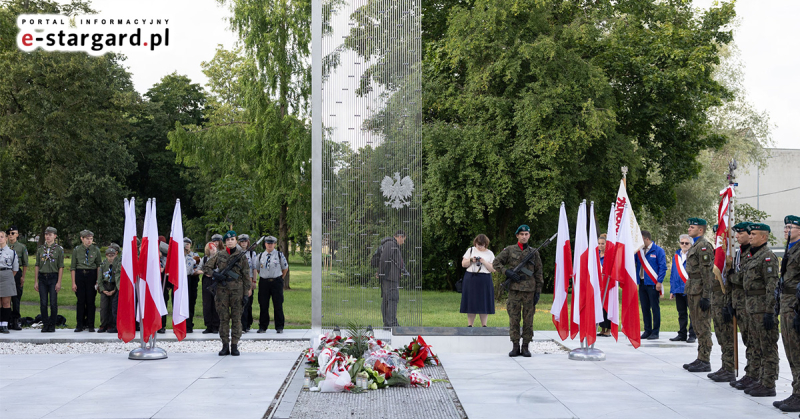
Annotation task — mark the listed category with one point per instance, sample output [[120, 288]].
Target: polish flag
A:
[[723, 237], [176, 271], [580, 267], [610, 288], [624, 273], [591, 304], [151, 304], [563, 273], [126, 308]]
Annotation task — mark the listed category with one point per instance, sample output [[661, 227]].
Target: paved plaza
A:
[[648, 382]]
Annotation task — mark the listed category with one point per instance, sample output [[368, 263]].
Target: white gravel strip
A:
[[546, 347], [14, 348]]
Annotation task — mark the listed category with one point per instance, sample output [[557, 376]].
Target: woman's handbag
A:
[[460, 282]]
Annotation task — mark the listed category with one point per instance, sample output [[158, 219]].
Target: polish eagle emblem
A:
[[398, 191]]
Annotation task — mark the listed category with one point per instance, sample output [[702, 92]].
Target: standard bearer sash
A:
[[649, 272], [678, 264]]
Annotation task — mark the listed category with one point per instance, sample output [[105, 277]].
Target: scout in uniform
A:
[[247, 310], [107, 286], [699, 288], [524, 291], [47, 278], [790, 321], [19, 277], [760, 282], [738, 305], [210, 316], [85, 269], [9, 266], [230, 293], [271, 266], [193, 273]]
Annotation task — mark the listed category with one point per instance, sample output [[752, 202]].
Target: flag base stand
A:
[[148, 351], [586, 353]]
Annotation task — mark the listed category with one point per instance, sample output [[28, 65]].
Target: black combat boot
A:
[[14, 325], [761, 391], [745, 383], [701, 366], [724, 376], [234, 350], [716, 373], [691, 364], [225, 350], [778, 403], [514, 351], [792, 404], [525, 352]]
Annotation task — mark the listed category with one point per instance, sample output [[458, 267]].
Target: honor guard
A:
[[524, 291], [790, 321], [19, 278], [47, 278], [699, 289], [85, 268], [9, 266], [738, 305]]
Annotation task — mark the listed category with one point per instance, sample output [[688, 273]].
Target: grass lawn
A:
[[436, 308]]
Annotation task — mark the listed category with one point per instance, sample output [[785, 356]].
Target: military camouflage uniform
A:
[[228, 299], [723, 330], [520, 303], [760, 281], [700, 268], [791, 339], [735, 281]]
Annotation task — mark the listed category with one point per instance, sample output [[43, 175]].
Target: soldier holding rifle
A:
[[789, 307]]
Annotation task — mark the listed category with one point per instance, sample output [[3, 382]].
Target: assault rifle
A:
[[222, 277], [521, 266]]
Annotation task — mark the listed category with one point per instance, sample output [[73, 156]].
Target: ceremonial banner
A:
[[722, 249], [609, 286], [563, 273], [176, 271], [624, 274], [126, 309]]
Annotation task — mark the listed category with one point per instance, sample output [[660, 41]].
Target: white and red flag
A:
[[625, 273], [151, 303], [563, 273], [591, 304], [580, 268], [176, 271], [721, 246], [126, 308], [610, 288]]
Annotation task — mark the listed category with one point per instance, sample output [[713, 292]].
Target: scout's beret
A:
[[759, 227], [230, 234], [50, 230], [741, 227], [244, 237], [792, 219], [111, 251], [187, 240], [523, 227], [115, 246], [216, 237], [270, 239], [86, 233], [694, 221]]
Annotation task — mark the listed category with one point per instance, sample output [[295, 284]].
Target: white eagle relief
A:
[[398, 191]]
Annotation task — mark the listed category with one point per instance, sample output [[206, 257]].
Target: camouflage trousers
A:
[[767, 354], [228, 302], [520, 307], [752, 369], [723, 331], [701, 321], [791, 344]]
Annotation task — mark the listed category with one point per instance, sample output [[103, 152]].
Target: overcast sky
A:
[[767, 37]]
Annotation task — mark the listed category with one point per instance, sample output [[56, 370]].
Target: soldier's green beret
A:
[[229, 234], [523, 227], [270, 239], [792, 219], [86, 233], [716, 226], [758, 227], [50, 230], [741, 227], [216, 237], [694, 221], [111, 251], [244, 237]]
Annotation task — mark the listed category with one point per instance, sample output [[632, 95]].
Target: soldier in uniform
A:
[[230, 293], [107, 286], [247, 310], [524, 292], [738, 307], [760, 282], [9, 266], [19, 277], [271, 266], [193, 273], [85, 269], [699, 288], [790, 321], [47, 278], [210, 316]]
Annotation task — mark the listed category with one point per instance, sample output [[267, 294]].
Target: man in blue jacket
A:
[[677, 290], [650, 279]]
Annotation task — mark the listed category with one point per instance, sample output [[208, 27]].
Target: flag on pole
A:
[[591, 304], [609, 286], [580, 267], [176, 271], [563, 273], [721, 244], [624, 274], [152, 305], [126, 309]]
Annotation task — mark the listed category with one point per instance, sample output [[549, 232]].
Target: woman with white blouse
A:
[[477, 294]]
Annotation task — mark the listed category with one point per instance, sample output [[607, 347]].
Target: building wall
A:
[[774, 189]]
